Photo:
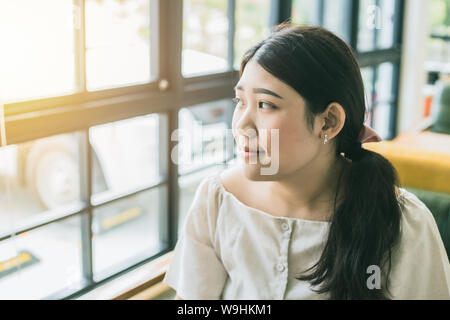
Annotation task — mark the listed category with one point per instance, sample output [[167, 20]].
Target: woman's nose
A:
[[246, 118]]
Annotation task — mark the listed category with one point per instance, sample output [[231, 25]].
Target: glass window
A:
[[384, 82], [376, 24], [386, 32], [438, 43], [37, 264], [336, 17], [252, 25], [305, 12], [37, 176], [127, 229], [367, 76], [205, 37], [125, 155], [381, 114], [367, 24], [37, 56], [378, 82], [203, 133], [117, 43]]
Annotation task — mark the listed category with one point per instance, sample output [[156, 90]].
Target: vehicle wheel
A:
[[53, 173]]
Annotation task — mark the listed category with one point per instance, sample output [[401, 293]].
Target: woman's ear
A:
[[333, 120]]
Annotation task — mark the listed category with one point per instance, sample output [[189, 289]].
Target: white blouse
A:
[[228, 250]]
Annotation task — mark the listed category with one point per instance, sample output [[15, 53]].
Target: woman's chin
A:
[[253, 171]]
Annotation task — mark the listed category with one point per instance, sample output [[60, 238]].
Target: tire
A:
[[52, 172]]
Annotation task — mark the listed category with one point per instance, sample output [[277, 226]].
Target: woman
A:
[[330, 222]]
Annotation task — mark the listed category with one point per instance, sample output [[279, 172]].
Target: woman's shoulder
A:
[[213, 187], [420, 263], [231, 180], [415, 213]]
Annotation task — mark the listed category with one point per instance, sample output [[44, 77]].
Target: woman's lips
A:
[[246, 152]]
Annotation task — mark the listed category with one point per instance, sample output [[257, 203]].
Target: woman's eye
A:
[[266, 106]]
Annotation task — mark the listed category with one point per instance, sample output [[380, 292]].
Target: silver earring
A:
[[326, 139]]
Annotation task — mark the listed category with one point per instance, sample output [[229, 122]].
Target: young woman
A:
[[331, 221]]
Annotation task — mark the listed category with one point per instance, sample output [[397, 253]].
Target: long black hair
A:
[[365, 227]]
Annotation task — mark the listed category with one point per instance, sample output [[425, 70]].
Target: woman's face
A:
[[264, 106]]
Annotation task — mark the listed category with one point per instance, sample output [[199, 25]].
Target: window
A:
[[38, 263], [57, 48], [378, 44], [378, 82], [336, 17], [39, 175], [305, 12], [331, 14], [127, 231], [437, 62], [252, 25], [38, 56], [376, 24], [117, 43], [205, 37]]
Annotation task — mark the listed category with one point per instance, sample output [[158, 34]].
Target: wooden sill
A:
[[144, 282]]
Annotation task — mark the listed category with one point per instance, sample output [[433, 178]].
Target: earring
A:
[[326, 139]]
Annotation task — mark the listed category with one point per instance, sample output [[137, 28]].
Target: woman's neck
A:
[[310, 192]]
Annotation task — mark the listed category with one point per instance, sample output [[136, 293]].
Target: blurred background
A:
[[92, 91]]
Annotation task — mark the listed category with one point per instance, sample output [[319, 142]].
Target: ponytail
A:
[[363, 230]]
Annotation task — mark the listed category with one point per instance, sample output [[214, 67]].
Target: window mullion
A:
[[80, 44], [231, 31], [85, 156]]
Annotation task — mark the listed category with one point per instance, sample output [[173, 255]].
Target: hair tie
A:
[[367, 134]]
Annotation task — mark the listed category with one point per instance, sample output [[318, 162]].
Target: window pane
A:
[[37, 264], [37, 56], [438, 43], [252, 25], [125, 154], [367, 76], [117, 43], [205, 37], [386, 32], [376, 24], [381, 116], [384, 82], [305, 12], [378, 82], [127, 229], [37, 176], [202, 139], [336, 18], [368, 18]]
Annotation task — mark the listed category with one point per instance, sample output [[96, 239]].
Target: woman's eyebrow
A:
[[260, 90]]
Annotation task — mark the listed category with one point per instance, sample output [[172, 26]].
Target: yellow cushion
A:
[[416, 167]]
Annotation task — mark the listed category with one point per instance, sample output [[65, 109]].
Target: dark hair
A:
[[365, 227]]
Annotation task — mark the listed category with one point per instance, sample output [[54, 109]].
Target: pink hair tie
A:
[[367, 134]]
